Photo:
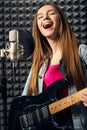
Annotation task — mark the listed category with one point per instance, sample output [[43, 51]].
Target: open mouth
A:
[[47, 25]]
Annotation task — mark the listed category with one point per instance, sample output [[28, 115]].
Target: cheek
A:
[[56, 20], [39, 26], [57, 24]]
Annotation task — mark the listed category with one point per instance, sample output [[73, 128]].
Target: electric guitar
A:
[[35, 112]]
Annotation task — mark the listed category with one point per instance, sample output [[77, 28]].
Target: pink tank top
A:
[[52, 74]]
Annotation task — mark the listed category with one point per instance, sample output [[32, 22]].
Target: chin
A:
[[48, 34]]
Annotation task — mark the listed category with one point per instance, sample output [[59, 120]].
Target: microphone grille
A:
[[14, 36]]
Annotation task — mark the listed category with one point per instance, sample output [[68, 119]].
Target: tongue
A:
[[47, 26]]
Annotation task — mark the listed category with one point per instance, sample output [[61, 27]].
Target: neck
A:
[[56, 51], [57, 54], [54, 44]]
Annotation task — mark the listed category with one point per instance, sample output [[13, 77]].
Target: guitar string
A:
[[35, 113]]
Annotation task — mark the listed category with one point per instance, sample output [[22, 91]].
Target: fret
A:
[[66, 102]]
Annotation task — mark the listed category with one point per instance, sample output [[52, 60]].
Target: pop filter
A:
[[26, 39]]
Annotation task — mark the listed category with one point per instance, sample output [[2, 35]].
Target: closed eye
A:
[[52, 12], [39, 17]]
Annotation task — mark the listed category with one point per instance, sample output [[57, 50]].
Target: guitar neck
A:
[[66, 102]]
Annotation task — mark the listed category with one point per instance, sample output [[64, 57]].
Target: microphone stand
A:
[[13, 76], [4, 91]]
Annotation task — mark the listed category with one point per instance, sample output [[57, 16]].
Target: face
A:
[[47, 21]]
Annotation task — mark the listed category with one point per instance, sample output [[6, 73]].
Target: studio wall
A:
[[18, 14]]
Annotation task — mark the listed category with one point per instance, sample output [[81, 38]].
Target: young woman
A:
[[56, 58]]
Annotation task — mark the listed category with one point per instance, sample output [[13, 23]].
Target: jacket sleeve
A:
[[83, 56], [27, 84], [83, 52]]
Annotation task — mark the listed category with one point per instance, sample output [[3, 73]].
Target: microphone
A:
[[13, 49], [83, 52]]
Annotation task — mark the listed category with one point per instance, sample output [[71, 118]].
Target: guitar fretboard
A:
[[66, 102]]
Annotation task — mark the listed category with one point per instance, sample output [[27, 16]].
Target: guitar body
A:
[[32, 112]]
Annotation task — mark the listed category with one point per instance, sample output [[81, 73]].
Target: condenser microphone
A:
[[20, 44], [13, 44], [13, 49]]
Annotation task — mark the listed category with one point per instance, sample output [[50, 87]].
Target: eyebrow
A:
[[47, 11]]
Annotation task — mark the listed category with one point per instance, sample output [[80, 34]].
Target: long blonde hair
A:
[[70, 54]]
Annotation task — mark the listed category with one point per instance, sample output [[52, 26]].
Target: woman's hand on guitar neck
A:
[[84, 98]]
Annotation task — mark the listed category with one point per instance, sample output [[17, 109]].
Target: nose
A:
[[46, 16]]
